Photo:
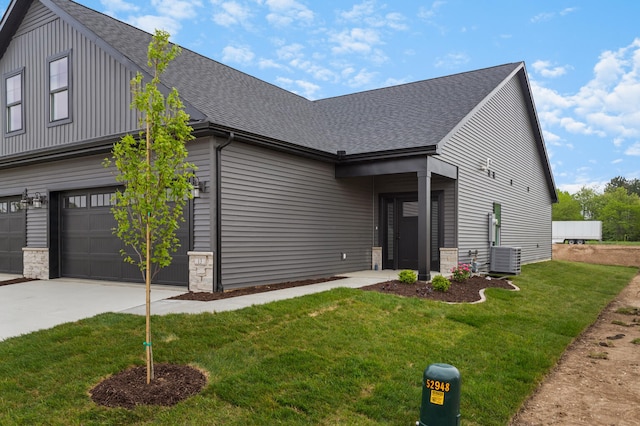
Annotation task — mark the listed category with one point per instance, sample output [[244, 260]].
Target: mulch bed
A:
[[465, 292], [172, 384], [16, 281], [207, 297]]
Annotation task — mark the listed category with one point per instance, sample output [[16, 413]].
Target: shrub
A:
[[408, 276], [461, 273], [440, 283]]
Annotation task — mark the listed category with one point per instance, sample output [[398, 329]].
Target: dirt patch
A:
[[601, 254], [172, 384], [597, 381], [465, 292]]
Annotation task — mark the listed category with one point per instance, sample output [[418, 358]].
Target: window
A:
[[14, 95], [60, 89], [75, 202], [103, 200]]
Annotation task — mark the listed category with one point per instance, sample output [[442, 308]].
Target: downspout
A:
[[218, 284]]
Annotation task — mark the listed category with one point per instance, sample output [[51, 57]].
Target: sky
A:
[[582, 57]]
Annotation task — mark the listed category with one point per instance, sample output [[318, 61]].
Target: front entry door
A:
[[407, 233], [399, 220]]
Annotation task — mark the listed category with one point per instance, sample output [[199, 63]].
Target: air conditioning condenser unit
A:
[[505, 260]]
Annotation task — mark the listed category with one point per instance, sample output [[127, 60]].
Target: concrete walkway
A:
[[37, 305]]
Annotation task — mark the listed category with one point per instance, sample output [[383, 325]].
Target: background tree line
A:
[[618, 207]]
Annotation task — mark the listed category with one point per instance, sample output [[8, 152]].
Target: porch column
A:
[[424, 225]]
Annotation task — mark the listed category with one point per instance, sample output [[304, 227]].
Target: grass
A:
[[340, 357]]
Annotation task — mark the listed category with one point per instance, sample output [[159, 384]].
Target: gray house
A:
[[422, 175]]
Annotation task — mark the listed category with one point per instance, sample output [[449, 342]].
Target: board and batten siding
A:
[[99, 85], [502, 131], [287, 218]]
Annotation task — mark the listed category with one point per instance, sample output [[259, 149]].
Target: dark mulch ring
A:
[[207, 297], [129, 388], [15, 281], [465, 292]]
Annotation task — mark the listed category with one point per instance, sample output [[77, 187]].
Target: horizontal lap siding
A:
[[501, 130], [286, 218], [201, 155], [77, 173]]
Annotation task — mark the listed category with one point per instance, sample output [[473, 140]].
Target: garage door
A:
[[89, 249], [12, 235]]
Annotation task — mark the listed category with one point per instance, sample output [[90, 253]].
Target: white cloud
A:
[[452, 60], [300, 87], [542, 17], [617, 161], [359, 11], [568, 10], [287, 12], [547, 16], [230, 13], [177, 9], [290, 51], [356, 40], [114, 6], [150, 23], [270, 63], [633, 150], [362, 78], [242, 54], [545, 69], [396, 81], [605, 106], [367, 12], [429, 13]]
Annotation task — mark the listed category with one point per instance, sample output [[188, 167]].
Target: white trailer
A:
[[576, 232]]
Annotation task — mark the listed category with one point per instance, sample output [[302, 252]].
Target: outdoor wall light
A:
[[24, 201], [37, 201], [197, 187]]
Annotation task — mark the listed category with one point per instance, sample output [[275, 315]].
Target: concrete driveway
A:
[[37, 305]]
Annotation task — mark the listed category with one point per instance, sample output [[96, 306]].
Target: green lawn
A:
[[340, 357]]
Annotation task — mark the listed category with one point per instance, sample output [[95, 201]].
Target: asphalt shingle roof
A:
[[408, 116]]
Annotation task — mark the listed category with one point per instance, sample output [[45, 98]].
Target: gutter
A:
[[217, 287]]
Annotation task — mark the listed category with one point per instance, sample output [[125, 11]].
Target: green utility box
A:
[[440, 396]]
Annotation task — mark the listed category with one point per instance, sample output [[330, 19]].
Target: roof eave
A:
[[385, 155], [11, 21]]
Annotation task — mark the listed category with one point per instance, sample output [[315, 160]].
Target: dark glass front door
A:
[[407, 233], [399, 219]]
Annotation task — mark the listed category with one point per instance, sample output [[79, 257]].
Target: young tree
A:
[[155, 174]]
